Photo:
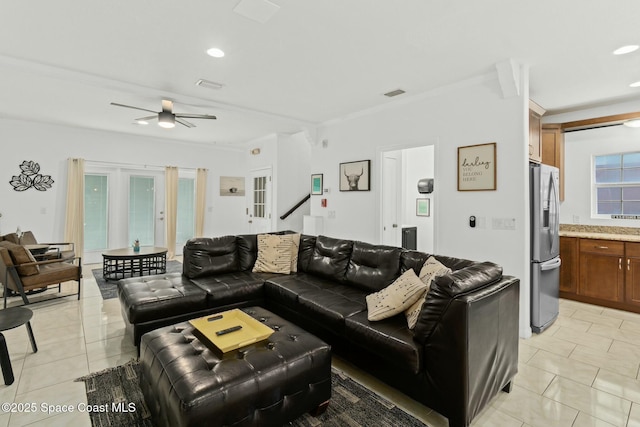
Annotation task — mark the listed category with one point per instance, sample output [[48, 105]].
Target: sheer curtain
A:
[[171, 212], [74, 222], [201, 200]]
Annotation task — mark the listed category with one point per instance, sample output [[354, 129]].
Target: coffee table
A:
[[121, 263]]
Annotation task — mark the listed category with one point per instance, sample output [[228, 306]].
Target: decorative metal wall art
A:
[[31, 177]]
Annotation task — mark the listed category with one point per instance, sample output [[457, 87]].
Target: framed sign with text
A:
[[477, 167]]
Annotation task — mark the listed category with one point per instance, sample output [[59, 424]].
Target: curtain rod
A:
[[137, 165]]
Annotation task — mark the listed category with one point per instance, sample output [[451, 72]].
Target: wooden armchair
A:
[[20, 272]]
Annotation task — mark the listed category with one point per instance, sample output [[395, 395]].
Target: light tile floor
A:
[[582, 371]]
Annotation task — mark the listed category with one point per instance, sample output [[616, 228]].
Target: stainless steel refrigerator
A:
[[545, 245]]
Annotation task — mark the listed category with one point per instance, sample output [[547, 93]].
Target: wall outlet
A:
[[576, 219], [332, 215]]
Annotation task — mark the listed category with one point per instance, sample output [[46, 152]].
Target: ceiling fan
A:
[[167, 118]]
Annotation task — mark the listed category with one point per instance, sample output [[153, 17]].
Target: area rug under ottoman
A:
[[351, 404]]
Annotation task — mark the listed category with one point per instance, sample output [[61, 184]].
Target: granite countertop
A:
[[625, 234]]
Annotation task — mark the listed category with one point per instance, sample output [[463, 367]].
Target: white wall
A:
[[288, 156], [51, 146], [293, 180], [472, 112], [580, 147]]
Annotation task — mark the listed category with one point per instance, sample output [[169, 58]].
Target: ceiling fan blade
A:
[[197, 116], [167, 105], [146, 119], [129, 106], [184, 122]]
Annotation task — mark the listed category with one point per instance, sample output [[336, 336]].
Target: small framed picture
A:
[[316, 184], [423, 207], [355, 176]]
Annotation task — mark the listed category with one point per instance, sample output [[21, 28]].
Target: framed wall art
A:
[[477, 167], [355, 176], [423, 207], [316, 184], [232, 186]]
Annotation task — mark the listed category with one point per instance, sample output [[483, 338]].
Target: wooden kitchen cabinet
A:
[[602, 275], [535, 141], [569, 267], [553, 150], [602, 272], [632, 278]]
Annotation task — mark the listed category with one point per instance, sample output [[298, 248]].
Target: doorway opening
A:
[[404, 211]]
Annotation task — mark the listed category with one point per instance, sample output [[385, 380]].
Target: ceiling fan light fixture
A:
[[166, 120]]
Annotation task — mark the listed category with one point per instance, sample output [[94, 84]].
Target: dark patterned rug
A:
[[117, 391], [110, 289]]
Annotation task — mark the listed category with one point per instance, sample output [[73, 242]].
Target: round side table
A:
[[10, 318]]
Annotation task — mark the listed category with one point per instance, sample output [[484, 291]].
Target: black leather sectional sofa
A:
[[462, 352]]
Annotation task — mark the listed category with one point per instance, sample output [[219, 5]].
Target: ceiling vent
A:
[[209, 84], [394, 93]]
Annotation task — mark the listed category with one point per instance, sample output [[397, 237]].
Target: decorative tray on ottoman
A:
[[229, 330]]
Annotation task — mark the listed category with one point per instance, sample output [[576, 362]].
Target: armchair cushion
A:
[[20, 255]]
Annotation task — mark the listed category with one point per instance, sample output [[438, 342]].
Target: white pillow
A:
[[431, 269], [274, 254], [396, 297]]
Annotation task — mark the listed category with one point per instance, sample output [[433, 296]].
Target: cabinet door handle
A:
[[628, 264], [602, 247], [620, 263]]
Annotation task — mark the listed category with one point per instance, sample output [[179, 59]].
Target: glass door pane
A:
[[96, 208], [142, 210]]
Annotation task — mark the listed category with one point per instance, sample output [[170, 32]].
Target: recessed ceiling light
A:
[[632, 123], [215, 52], [626, 49], [635, 84]]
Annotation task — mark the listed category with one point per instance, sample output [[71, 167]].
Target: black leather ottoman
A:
[[268, 384], [142, 298]]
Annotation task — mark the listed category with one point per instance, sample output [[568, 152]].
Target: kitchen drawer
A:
[[605, 247], [633, 249]]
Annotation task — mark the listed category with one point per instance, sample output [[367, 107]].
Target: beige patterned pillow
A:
[[431, 269], [295, 248], [396, 297], [274, 254]]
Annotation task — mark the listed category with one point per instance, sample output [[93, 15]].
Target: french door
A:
[[122, 205], [259, 201]]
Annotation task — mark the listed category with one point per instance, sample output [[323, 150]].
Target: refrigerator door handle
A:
[[551, 264], [554, 207]]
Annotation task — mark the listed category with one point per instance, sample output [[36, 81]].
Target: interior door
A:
[[259, 200], [390, 202]]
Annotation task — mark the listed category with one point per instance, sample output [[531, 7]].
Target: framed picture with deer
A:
[[355, 176]]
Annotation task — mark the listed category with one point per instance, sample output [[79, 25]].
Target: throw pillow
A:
[[21, 255], [295, 248], [396, 297], [431, 269], [274, 254]]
